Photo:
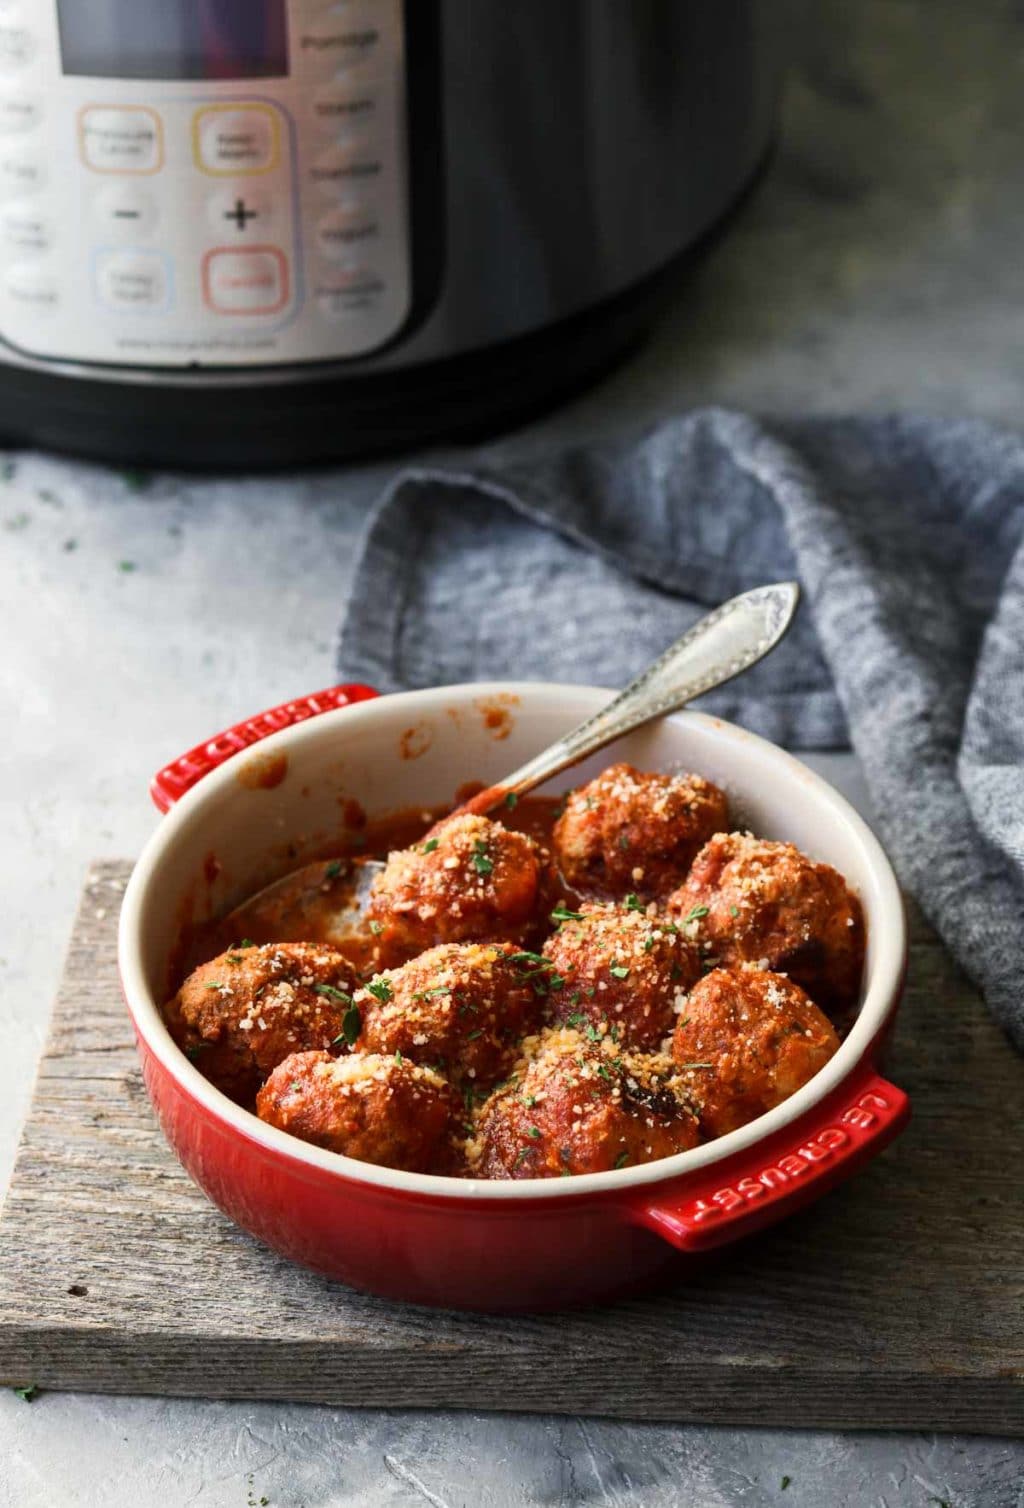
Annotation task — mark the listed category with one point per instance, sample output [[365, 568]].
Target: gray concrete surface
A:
[[878, 265]]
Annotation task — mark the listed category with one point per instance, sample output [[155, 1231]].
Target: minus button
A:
[[125, 212]]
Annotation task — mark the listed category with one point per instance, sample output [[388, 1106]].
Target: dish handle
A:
[[170, 784], [775, 1177]]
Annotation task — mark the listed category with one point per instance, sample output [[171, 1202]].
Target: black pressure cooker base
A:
[[309, 420]]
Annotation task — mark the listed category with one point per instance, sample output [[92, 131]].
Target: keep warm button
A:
[[254, 281], [233, 141]]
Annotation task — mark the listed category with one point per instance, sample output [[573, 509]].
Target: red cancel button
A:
[[253, 281]]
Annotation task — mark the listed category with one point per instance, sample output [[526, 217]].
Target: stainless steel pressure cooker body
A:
[[258, 232]]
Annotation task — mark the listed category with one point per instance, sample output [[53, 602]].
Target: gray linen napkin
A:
[[906, 534]]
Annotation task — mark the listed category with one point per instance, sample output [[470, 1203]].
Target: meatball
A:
[[382, 1110], [630, 831], [238, 1015], [623, 970], [462, 1007], [747, 1041], [469, 880], [573, 1105], [754, 901]]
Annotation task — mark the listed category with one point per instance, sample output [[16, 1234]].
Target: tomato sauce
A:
[[305, 912]]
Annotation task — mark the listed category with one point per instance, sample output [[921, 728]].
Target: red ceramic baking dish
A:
[[237, 816]]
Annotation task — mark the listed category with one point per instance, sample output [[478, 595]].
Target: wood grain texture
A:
[[894, 1302]]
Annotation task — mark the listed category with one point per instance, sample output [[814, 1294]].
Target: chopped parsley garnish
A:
[[648, 944], [535, 958], [524, 1154], [398, 1056], [593, 1034], [619, 970], [328, 989], [381, 988], [602, 1070], [576, 1019], [563, 914], [27, 1393], [351, 1025], [472, 1036], [786, 1481], [431, 844], [695, 1065], [480, 858], [247, 942], [511, 800], [622, 1159], [194, 1049], [695, 915], [215, 984], [376, 928], [529, 1100], [623, 840], [235, 958], [333, 870], [634, 903], [533, 1131]]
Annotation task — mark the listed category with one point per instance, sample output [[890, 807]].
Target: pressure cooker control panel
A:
[[221, 183]]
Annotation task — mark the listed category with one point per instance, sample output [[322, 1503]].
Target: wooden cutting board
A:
[[897, 1301]]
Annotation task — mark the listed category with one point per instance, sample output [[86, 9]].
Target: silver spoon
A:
[[327, 900]]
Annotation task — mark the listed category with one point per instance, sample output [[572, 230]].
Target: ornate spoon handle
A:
[[718, 647]]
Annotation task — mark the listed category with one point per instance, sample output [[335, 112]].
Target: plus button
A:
[[241, 214]]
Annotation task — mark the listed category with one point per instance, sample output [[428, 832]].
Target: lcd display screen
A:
[[174, 39]]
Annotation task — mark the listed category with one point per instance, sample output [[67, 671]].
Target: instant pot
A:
[[240, 232]]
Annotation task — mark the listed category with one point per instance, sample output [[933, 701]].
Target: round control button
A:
[[342, 294], [343, 235], [132, 281], [125, 213], [342, 108], [346, 168], [341, 36], [245, 282], [25, 228], [319, 7], [17, 47], [18, 113], [240, 213], [20, 173], [32, 287], [120, 139], [242, 140]]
